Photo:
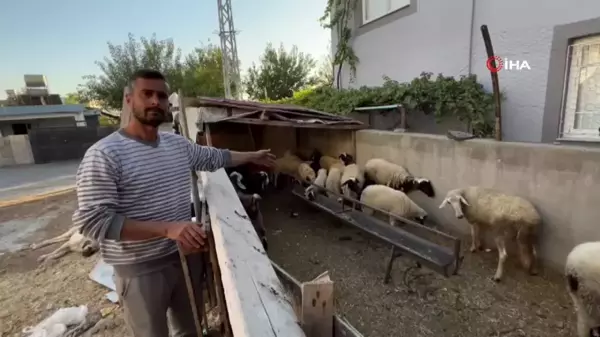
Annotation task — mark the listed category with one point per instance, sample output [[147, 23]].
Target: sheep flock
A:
[[382, 185]]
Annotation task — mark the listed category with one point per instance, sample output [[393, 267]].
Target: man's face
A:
[[149, 101]]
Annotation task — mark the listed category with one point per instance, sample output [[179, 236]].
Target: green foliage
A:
[[279, 73], [195, 75], [107, 121], [464, 99], [73, 98], [336, 17]]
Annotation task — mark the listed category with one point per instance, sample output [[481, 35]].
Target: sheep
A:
[[505, 215], [318, 161], [383, 172], [392, 201], [582, 273], [351, 181], [332, 183], [294, 167], [305, 173], [288, 165], [252, 208], [309, 193], [73, 240]]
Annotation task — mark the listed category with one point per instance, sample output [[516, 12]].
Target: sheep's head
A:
[[352, 185], [421, 219], [309, 193], [264, 180], [236, 179], [346, 158], [308, 175], [89, 248], [424, 185], [456, 200]]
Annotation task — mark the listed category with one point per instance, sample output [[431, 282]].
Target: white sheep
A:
[[332, 183], [73, 240], [395, 176], [507, 215], [310, 191], [392, 201], [352, 181], [582, 272]]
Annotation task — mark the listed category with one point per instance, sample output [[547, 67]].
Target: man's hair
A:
[[148, 74]]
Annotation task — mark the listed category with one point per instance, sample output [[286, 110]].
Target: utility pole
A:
[[231, 64]]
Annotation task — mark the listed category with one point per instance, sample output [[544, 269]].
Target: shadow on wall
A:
[[561, 181]]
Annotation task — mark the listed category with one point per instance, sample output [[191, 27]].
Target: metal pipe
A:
[[495, 85]]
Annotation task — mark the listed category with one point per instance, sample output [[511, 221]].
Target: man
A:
[[133, 189]]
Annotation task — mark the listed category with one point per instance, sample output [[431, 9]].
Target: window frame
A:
[[571, 92], [389, 11]]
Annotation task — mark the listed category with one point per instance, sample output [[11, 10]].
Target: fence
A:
[[64, 143], [560, 181]]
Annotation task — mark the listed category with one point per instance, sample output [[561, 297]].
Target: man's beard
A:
[[153, 117]]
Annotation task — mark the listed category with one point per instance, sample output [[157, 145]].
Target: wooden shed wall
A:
[[329, 142]]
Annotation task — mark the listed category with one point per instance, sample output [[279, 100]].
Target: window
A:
[[374, 9], [581, 114]]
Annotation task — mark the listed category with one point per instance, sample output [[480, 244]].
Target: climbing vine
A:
[[336, 17]]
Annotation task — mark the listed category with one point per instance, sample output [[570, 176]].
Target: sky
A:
[[63, 38]]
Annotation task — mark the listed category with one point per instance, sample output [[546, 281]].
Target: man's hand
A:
[[263, 158], [190, 236]]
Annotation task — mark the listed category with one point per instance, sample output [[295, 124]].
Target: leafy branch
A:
[[336, 17]]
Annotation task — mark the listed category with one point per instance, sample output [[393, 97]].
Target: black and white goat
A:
[[249, 183], [248, 179]]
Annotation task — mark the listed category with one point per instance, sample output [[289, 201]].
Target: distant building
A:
[[19, 120]]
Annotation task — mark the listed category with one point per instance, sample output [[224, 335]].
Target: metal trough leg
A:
[[388, 270]]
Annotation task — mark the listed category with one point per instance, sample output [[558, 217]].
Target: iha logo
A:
[[496, 63]]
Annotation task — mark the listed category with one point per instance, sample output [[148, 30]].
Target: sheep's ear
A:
[[464, 201], [444, 203]]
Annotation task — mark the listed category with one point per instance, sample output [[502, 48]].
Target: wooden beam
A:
[[256, 300]]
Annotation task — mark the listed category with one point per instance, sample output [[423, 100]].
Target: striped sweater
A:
[[121, 177]]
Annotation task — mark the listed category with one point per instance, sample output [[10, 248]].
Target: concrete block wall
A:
[[561, 181], [15, 150]]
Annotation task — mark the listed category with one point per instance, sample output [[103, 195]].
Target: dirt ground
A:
[[467, 305], [29, 293]]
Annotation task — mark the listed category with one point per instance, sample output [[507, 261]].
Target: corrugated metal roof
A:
[[26, 110], [249, 112]]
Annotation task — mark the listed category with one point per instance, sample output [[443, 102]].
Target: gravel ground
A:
[[467, 305]]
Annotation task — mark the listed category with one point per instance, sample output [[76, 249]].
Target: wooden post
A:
[[317, 307], [216, 271]]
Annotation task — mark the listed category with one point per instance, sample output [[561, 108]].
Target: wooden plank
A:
[[341, 327], [317, 307], [256, 301]]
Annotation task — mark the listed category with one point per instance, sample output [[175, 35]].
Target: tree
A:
[[74, 98], [324, 75], [279, 74], [203, 72], [196, 75]]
